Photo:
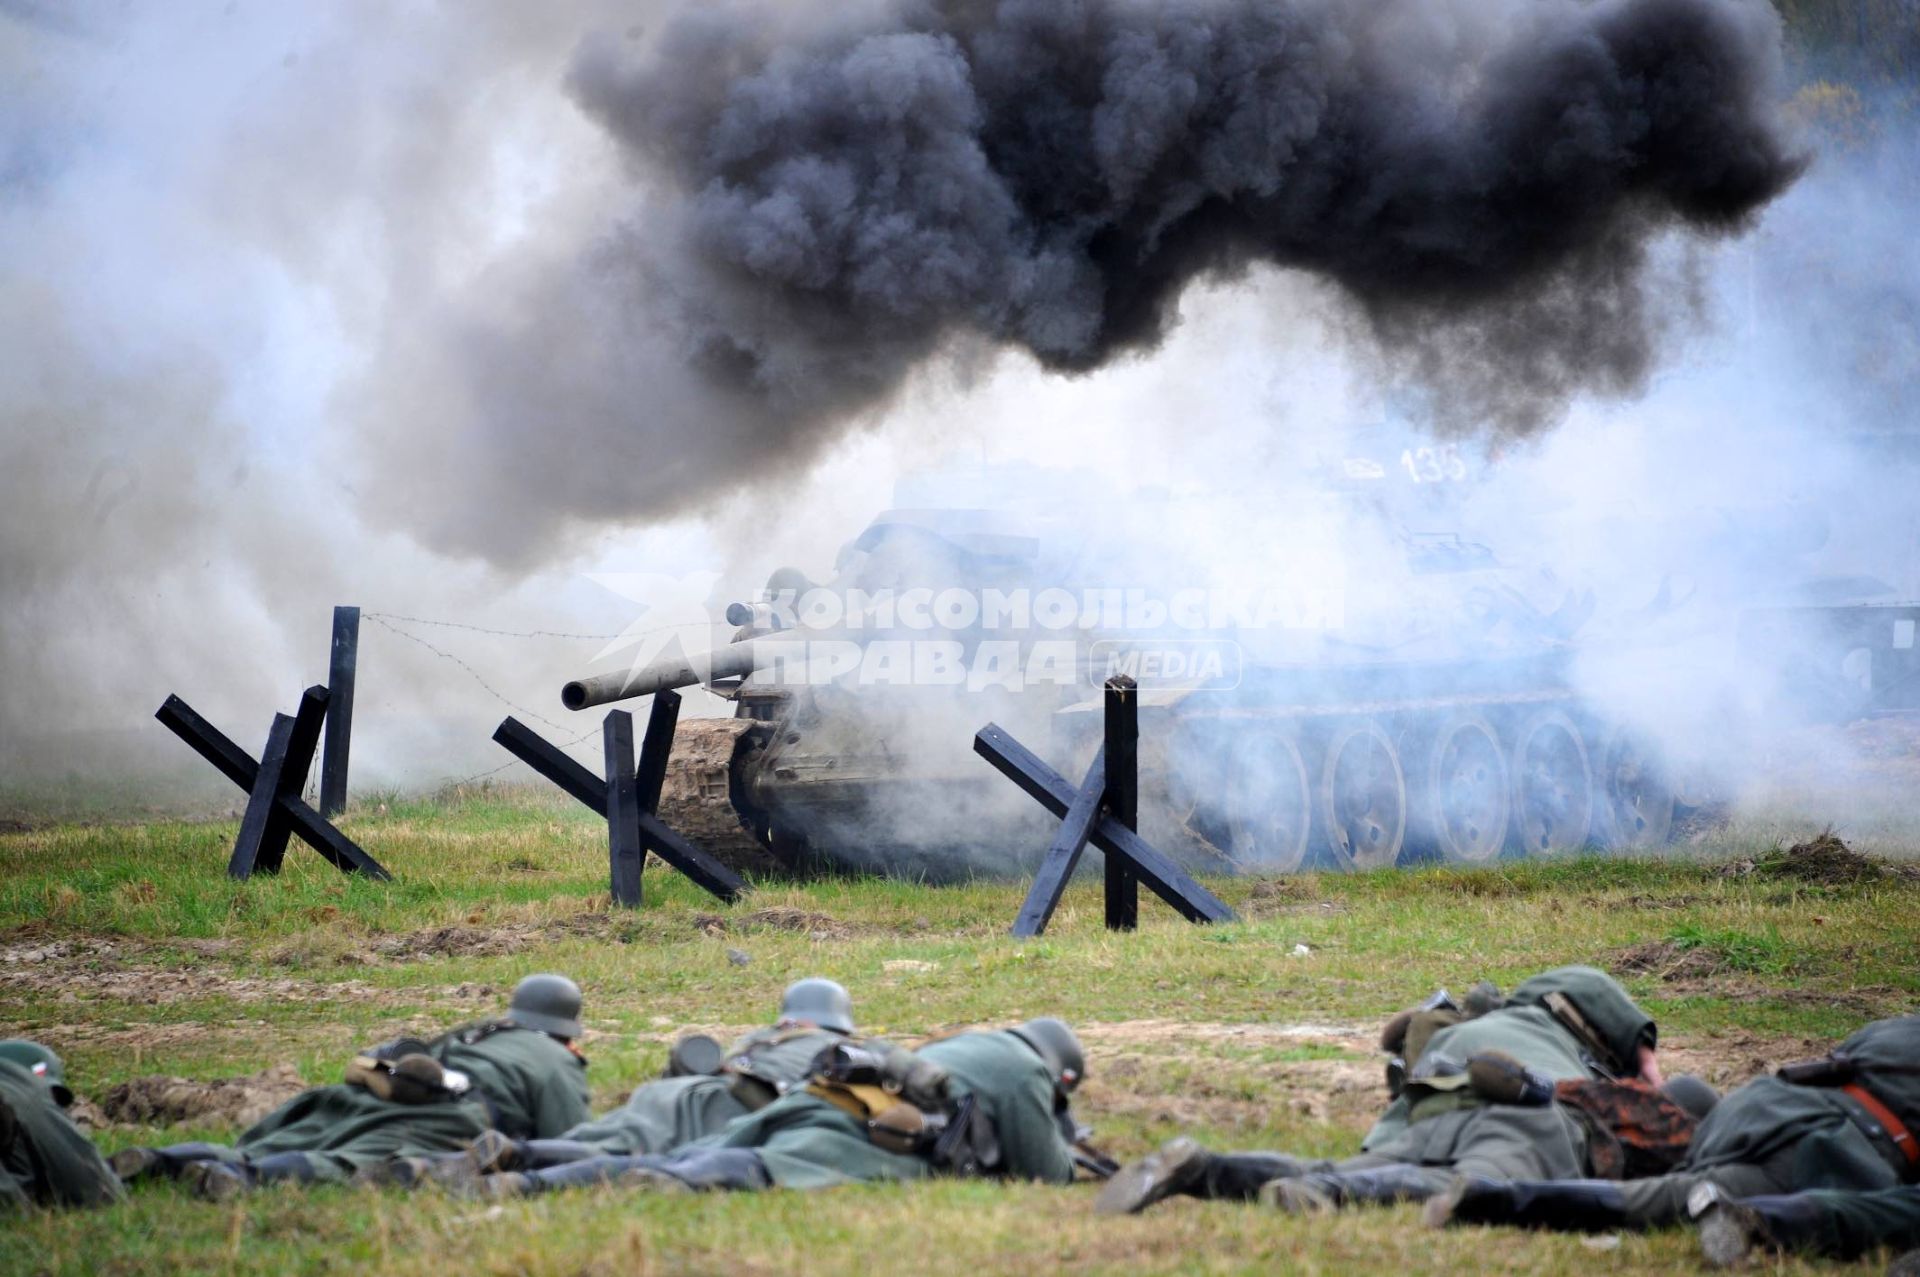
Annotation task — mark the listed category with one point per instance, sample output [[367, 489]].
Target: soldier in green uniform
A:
[[758, 1069], [44, 1158], [1571, 1022], [987, 1103], [1820, 1221], [519, 1074], [1845, 1121]]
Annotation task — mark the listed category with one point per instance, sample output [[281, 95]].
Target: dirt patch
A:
[[85, 969], [1120, 1034], [36, 944], [818, 926], [1276, 897], [1666, 960], [164, 1101], [164, 986], [1168, 1072], [1699, 970], [1828, 861], [1345, 1092], [1867, 1001], [1641, 902], [468, 941], [450, 942], [1736, 1058]]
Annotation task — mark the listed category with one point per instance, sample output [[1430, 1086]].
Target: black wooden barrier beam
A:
[[643, 784], [1091, 814], [343, 661], [274, 806], [284, 764], [1063, 857], [625, 854], [1122, 800]]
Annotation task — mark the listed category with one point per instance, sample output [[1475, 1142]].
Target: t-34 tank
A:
[[1436, 719]]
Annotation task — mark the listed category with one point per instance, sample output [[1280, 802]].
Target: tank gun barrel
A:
[[668, 673]]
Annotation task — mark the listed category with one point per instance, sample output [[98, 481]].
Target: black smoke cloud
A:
[[808, 209], [1052, 175]]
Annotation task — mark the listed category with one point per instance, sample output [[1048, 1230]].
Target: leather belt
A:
[[1896, 1129]]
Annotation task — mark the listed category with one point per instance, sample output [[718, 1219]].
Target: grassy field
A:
[[125, 948]]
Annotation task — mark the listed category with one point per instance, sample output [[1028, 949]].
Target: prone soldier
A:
[[520, 1074], [698, 1098], [1844, 1121], [1477, 1094], [990, 1103], [45, 1160]]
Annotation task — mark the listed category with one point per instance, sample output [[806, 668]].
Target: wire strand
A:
[[475, 674], [384, 617], [494, 771]]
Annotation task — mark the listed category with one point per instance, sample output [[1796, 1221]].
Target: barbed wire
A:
[[387, 621], [482, 629], [378, 619], [494, 771]]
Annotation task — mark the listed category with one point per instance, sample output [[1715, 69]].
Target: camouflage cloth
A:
[[46, 1160], [1633, 1129]]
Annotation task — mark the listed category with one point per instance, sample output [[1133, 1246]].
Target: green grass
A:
[[125, 948], [1765, 953]]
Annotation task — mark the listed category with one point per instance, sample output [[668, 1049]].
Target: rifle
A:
[[1086, 1156]]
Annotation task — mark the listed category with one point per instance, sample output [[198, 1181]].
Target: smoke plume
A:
[[823, 207], [1482, 181]]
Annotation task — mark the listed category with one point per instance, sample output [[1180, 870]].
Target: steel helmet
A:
[[40, 1062], [818, 1001], [1055, 1043], [1693, 1094], [695, 1055], [549, 1003]]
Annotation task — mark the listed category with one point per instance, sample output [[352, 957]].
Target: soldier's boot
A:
[[504, 1184], [132, 1164], [587, 1173], [216, 1181], [284, 1168], [701, 1170], [223, 1181], [1182, 1166], [1331, 1190], [1570, 1205], [402, 1172], [490, 1154], [535, 1155], [1731, 1229]]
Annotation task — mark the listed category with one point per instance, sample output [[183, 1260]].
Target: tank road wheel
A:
[[1363, 797], [1466, 797], [1636, 798], [1272, 805], [1552, 785]]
